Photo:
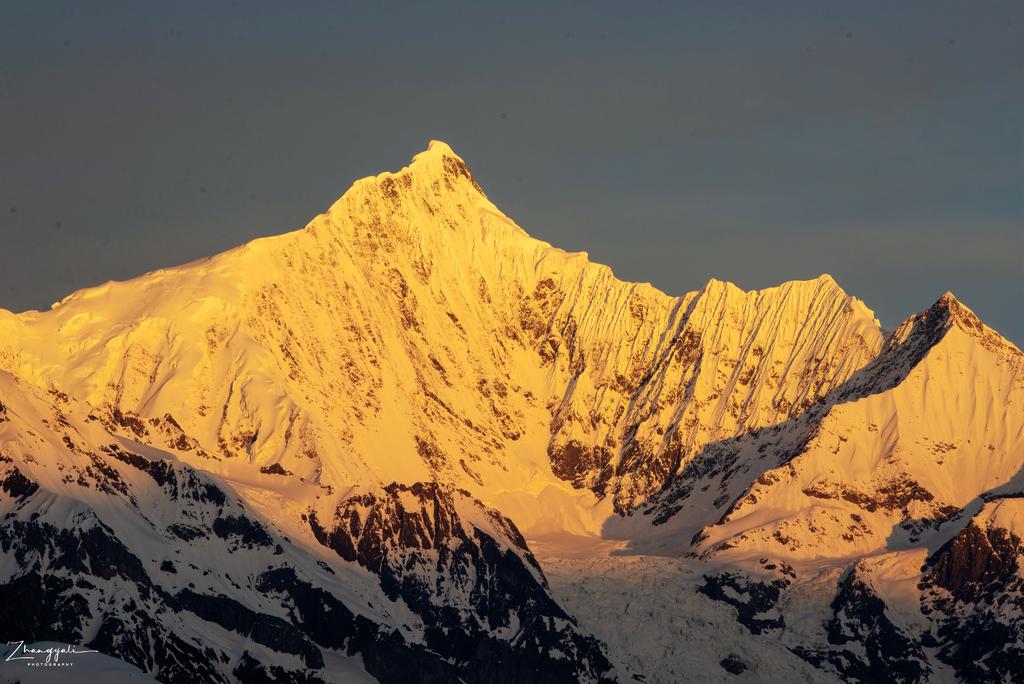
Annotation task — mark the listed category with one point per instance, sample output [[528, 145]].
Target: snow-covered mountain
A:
[[411, 442]]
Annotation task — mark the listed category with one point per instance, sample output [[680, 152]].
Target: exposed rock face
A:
[[466, 571], [977, 562], [865, 644], [733, 664], [754, 600], [974, 593]]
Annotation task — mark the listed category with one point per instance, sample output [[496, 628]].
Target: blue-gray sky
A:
[[754, 142]]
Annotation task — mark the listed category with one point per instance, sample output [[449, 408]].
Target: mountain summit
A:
[[338, 453]]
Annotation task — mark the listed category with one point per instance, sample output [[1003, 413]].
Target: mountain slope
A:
[[938, 426], [113, 544]]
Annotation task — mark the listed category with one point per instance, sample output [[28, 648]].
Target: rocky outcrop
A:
[[754, 600], [866, 645], [977, 563], [973, 592], [466, 571]]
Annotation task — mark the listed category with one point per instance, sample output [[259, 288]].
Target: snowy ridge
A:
[[882, 470]]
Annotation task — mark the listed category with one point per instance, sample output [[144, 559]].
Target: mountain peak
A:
[[950, 306], [827, 279], [439, 162], [822, 284], [438, 157], [439, 147], [952, 311], [717, 286], [959, 315], [947, 313], [432, 173]]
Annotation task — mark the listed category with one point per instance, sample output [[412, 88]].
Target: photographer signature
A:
[[48, 656]]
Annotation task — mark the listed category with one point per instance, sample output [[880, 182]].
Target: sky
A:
[[752, 142]]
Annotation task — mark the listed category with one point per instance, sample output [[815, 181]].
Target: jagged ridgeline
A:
[[346, 452]]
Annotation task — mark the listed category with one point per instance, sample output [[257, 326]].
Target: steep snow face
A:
[[413, 332], [886, 470], [722, 363], [293, 349]]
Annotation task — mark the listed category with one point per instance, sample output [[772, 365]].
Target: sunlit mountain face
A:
[[410, 443]]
